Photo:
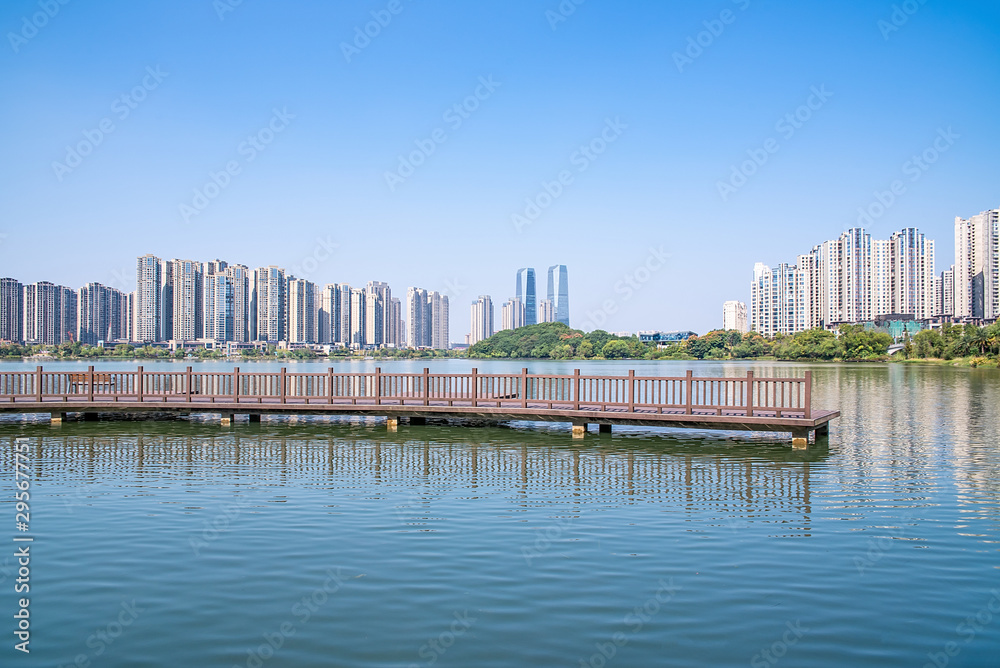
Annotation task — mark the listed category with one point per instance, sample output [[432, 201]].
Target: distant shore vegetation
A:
[[959, 345], [966, 345]]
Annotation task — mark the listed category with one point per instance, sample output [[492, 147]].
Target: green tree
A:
[[614, 350]]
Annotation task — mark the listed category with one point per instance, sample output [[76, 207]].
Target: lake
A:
[[312, 541]]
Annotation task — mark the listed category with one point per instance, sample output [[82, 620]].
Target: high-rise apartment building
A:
[[418, 323], [911, 288], [481, 319], [944, 293], [187, 293], [977, 265], [428, 320], [558, 293], [512, 314], [166, 300], [49, 313], [219, 318], [378, 314], [526, 293], [335, 314], [302, 311], [102, 314], [239, 278], [778, 299], [359, 315], [11, 294], [734, 316], [546, 311], [268, 310], [439, 320], [148, 308], [853, 278], [396, 320]]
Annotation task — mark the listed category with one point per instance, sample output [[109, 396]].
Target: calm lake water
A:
[[315, 542]]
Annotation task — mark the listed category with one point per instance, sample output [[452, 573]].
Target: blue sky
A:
[[639, 219]]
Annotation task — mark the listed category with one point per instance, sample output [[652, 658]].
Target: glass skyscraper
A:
[[527, 295], [558, 292]]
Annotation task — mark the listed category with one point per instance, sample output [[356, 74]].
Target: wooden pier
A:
[[741, 404]]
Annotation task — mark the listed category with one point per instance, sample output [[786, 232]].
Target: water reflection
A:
[[734, 483]]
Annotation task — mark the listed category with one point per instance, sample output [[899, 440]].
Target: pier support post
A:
[[227, 419], [579, 429], [254, 418], [392, 423], [56, 419], [800, 439], [604, 429]]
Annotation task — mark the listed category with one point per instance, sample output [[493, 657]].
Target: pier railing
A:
[[629, 393]]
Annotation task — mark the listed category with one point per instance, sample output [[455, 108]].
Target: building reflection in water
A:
[[730, 485]]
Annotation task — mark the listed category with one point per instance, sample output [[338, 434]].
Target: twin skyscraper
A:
[[555, 307]]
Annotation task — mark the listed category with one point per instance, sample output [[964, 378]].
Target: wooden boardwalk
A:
[[745, 403]]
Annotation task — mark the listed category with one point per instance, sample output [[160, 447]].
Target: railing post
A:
[[749, 393], [808, 402], [90, 383], [378, 385], [576, 389], [138, 384], [281, 384], [38, 384], [188, 383], [688, 387], [236, 385], [329, 388], [475, 387], [427, 386], [631, 390], [524, 388]]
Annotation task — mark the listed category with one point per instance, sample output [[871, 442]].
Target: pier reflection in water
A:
[[732, 483]]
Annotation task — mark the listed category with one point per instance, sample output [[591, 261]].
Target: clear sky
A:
[[668, 96]]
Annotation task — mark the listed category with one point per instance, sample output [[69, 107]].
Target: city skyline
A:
[[215, 149], [856, 278]]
